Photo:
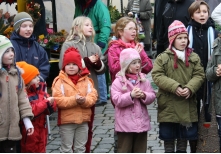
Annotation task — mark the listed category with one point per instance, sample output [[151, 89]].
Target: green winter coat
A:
[[211, 73], [172, 108], [100, 17]]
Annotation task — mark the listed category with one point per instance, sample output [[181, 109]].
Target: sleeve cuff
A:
[[101, 44], [27, 123]]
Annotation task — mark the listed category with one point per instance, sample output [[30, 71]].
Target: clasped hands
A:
[[94, 58], [137, 93], [183, 92], [80, 99]]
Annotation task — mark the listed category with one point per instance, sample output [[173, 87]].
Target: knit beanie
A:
[[5, 43], [175, 29], [20, 18], [126, 57], [72, 55], [29, 71]]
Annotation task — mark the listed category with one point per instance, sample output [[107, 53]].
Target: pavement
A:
[[103, 130]]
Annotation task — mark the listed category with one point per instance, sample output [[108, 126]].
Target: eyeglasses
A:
[[131, 29]]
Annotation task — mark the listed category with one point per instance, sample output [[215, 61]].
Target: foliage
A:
[[3, 27], [33, 9], [52, 41], [218, 27], [114, 13]]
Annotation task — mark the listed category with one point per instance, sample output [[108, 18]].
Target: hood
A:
[[209, 23], [21, 40]]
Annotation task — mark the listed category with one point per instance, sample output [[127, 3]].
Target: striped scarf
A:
[[211, 37], [135, 6]]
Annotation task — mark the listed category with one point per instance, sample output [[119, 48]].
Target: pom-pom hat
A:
[[29, 71], [126, 57], [175, 29]]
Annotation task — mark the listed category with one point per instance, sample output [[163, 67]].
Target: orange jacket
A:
[[64, 91]]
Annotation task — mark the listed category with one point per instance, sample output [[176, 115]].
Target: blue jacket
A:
[[27, 49]]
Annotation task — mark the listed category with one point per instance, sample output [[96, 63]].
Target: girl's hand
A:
[[139, 47], [51, 100], [179, 91], [186, 93], [30, 131], [136, 93], [130, 14], [80, 99], [218, 70]]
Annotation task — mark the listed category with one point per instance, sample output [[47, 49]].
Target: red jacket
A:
[[36, 143]]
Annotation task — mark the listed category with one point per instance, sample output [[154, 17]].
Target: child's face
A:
[[8, 57], [129, 33], [180, 43], [71, 69], [201, 15], [87, 28], [26, 29], [134, 67], [35, 81]]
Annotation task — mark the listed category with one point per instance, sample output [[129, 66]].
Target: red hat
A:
[[72, 55]]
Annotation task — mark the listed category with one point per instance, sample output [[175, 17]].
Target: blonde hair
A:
[[121, 24], [77, 29]]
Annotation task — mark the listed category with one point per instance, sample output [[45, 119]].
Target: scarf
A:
[[180, 54], [76, 77], [132, 78], [132, 44]]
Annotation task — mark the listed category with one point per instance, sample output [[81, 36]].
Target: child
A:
[[130, 93], [178, 74], [213, 73], [26, 48], [74, 93], [41, 104], [81, 37], [126, 32], [14, 104], [202, 33]]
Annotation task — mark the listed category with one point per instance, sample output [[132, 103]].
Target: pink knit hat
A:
[[175, 29], [126, 57]]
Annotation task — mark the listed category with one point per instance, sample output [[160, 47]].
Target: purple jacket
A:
[[114, 51], [131, 115]]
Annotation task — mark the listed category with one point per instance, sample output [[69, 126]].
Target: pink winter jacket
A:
[[114, 51], [131, 115]]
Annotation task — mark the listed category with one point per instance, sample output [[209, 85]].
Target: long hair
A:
[[78, 28], [121, 24]]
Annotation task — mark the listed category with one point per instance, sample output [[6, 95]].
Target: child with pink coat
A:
[[131, 92]]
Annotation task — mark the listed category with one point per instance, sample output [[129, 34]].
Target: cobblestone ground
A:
[[103, 136]]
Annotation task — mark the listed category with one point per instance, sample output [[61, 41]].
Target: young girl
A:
[[126, 32], [178, 74], [14, 104], [74, 93], [41, 104], [26, 47], [202, 33], [81, 37], [131, 93]]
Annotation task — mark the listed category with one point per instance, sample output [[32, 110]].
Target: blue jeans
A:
[[219, 131], [102, 88]]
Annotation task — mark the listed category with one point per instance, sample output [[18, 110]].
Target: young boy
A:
[[75, 94], [26, 48], [14, 104], [178, 74], [41, 104]]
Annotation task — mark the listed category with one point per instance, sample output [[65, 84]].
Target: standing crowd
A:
[[186, 71]]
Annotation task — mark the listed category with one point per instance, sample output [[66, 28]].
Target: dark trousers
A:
[[8, 146], [132, 142]]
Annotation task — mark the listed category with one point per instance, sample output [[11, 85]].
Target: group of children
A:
[[178, 72]]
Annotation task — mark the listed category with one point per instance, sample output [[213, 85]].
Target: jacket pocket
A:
[[1, 118]]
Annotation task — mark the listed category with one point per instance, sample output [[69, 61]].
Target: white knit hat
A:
[[126, 57]]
